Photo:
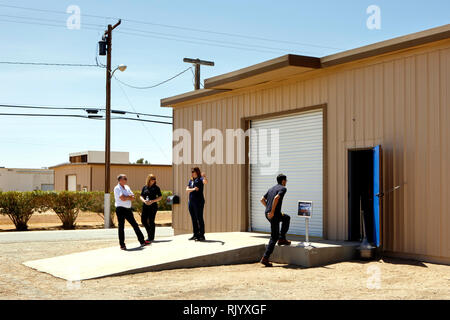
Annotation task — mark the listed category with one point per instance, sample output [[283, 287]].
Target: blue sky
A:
[[311, 28]]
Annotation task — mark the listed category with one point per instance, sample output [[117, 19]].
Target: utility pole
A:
[[107, 204], [197, 62]]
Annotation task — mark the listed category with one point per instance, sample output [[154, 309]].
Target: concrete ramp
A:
[[177, 252], [165, 253]]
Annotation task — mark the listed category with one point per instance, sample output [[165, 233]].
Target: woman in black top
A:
[[197, 203], [150, 196]]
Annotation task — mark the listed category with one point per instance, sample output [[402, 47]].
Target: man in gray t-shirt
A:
[[273, 200]]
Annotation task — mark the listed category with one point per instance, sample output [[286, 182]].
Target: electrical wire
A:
[[143, 120], [81, 109], [49, 20], [184, 39], [211, 40], [154, 37], [152, 86], [49, 64], [47, 24], [242, 36], [201, 43], [193, 80], [79, 116], [46, 115]]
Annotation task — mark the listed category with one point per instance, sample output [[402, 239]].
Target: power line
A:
[[81, 109], [79, 116], [156, 37], [230, 34], [150, 36], [242, 36], [152, 86], [140, 114], [211, 40], [46, 24], [185, 39], [46, 115], [48, 20], [149, 32], [50, 64], [142, 120], [197, 42]]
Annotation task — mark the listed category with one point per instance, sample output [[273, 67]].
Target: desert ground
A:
[[399, 279], [86, 220]]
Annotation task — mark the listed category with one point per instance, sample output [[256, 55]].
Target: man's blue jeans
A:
[[275, 234]]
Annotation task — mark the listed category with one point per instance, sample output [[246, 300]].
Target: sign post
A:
[[305, 211]]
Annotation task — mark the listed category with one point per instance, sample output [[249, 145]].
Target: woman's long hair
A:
[[197, 171], [150, 177]]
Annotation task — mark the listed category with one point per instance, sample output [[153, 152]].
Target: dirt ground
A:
[[86, 220], [399, 279]]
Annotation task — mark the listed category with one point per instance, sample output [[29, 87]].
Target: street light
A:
[[120, 67]]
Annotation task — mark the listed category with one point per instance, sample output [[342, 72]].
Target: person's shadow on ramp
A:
[[135, 249], [211, 241], [160, 241]]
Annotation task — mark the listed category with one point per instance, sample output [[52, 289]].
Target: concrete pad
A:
[[166, 253], [177, 252], [316, 254]]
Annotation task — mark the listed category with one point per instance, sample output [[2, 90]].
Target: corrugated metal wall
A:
[[400, 101]]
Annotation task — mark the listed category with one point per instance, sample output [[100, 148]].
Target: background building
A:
[[26, 179], [86, 171], [370, 123]]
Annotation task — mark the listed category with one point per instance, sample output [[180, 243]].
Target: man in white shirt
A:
[[123, 197]]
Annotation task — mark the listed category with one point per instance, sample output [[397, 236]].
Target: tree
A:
[[141, 161]]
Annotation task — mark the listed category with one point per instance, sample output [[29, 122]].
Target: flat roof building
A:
[[19, 179], [363, 129]]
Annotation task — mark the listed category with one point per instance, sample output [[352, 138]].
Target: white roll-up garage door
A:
[[300, 159]]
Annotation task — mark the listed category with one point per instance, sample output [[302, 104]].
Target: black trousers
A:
[[196, 211], [148, 220], [127, 214], [275, 234]]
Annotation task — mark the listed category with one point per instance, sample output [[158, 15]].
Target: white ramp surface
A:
[[165, 253]]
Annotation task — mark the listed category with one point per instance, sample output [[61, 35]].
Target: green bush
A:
[[162, 205], [20, 206], [67, 205]]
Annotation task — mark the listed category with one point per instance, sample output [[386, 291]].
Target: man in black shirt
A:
[[273, 200]]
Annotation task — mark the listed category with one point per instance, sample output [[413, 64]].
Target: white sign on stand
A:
[[305, 211]]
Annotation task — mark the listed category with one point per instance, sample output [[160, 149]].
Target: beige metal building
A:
[[86, 171], [14, 179], [394, 94]]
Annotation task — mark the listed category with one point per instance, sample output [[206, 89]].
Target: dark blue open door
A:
[[377, 194]]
